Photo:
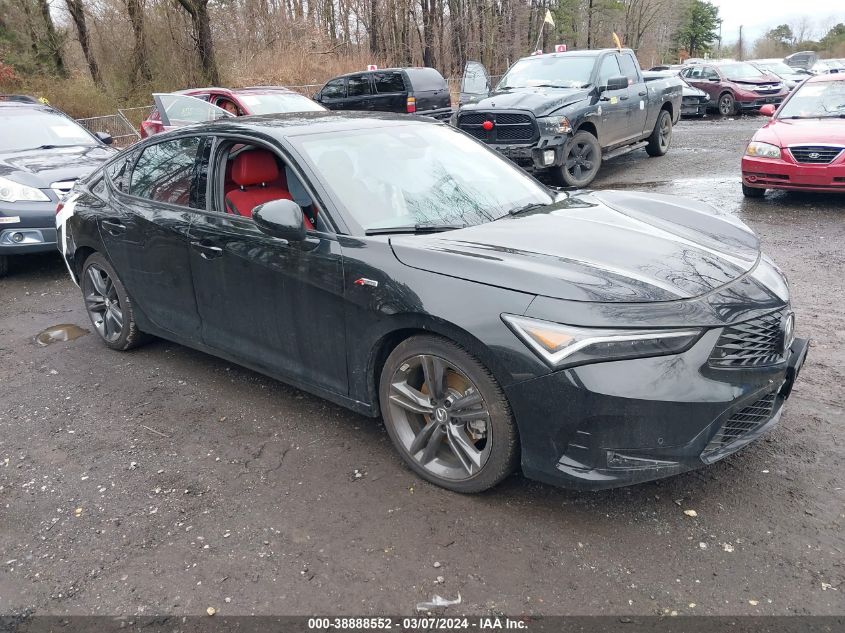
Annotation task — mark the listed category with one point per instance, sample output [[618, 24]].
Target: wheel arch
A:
[[588, 126], [403, 327]]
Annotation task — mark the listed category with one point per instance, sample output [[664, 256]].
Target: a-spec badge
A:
[[363, 281]]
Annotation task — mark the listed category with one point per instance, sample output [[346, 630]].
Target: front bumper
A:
[[533, 158], [754, 102], [624, 422], [694, 106], [769, 173], [28, 227]]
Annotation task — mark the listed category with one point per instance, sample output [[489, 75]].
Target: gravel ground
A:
[[165, 481]]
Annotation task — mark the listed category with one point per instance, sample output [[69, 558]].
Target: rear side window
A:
[[335, 89], [629, 68], [357, 86], [389, 82], [165, 171], [426, 79]]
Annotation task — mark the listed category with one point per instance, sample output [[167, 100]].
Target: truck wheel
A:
[[4, 265], [752, 192], [727, 104], [661, 136], [581, 160]]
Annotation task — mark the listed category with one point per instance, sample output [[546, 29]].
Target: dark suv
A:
[[411, 90]]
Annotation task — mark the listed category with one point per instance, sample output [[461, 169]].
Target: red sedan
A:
[[803, 146], [236, 101]]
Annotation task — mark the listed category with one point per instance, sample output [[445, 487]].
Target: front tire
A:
[[581, 161], [661, 136], [447, 416], [752, 192], [108, 306], [727, 104]]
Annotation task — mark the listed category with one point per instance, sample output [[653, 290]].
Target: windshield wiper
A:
[[526, 208], [422, 227]]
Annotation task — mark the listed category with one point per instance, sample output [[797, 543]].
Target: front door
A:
[[276, 305], [333, 94], [613, 104], [146, 233]]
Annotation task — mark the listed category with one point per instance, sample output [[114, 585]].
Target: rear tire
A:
[[109, 307], [727, 104], [447, 416], [581, 161], [752, 192], [4, 265], [661, 136]]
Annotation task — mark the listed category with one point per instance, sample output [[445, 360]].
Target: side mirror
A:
[[617, 83], [280, 218], [713, 79], [105, 137], [768, 110], [316, 96]]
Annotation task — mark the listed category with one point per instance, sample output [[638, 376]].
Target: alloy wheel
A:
[[580, 160], [665, 133], [726, 105], [440, 417], [103, 303]]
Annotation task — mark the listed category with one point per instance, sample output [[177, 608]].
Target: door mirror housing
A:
[[617, 83], [280, 218], [105, 137], [768, 109], [713, 79]]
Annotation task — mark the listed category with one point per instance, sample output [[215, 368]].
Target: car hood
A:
[[609, 246], [540, 101], [785, 132], [757, 81], [40, 168]]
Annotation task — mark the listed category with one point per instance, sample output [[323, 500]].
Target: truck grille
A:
[[741, 423], [754, 343], [508, 127], [815, 154]]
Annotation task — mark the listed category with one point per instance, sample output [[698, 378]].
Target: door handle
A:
[[643, 93], [113, 226], [625, 98], [206, 250]]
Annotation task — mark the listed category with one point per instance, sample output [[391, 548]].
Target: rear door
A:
[[358, 92], [390, 91], [475, 83], [333, 94], [153, 196], [429, 89]]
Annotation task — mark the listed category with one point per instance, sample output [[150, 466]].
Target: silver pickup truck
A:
[[564, 113]]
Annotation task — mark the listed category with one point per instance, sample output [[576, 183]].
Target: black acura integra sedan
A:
[[401, 268]]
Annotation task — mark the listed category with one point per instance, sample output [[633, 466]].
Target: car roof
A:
[[592, 52], [26, 105], [828, 77]]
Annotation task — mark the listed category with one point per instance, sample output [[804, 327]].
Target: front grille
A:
[[754, 343], [508, 127], [815, 154], [741, 423]]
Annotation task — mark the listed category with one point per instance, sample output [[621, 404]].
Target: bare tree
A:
[[54, 42], [140, 53], [77, 14], [198, 11]]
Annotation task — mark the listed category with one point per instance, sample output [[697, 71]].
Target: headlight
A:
[[11, 191], [762, 150], [565, 345], [554, 125]]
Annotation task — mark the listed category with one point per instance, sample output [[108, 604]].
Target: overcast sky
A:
[[758, 16]]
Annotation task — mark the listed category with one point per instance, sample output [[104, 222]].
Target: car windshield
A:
[[32, 129], [814, 100], [419, 175], [779, 68], [740, 71], [549, 71], [275, 102]]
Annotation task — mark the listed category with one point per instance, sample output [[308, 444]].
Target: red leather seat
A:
[[258, 180]]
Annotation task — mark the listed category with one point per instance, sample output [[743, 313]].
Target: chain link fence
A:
[[116, 125]]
